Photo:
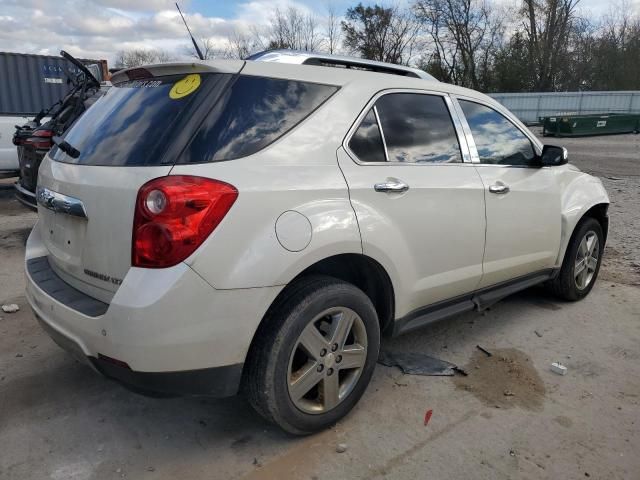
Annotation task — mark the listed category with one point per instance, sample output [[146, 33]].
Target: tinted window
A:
[[215, 116], [251, 114], [418, 129], [497, 139], [135, 121], [366, 142]]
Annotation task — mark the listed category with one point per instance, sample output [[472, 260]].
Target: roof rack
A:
[[338, 61]]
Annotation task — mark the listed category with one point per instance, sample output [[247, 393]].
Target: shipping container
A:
[[30, 83]]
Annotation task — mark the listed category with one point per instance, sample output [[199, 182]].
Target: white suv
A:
[[215, 225]]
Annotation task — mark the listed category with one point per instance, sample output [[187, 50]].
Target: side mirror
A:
[[553, 156]]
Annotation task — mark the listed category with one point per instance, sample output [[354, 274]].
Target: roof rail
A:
[[338, 61]]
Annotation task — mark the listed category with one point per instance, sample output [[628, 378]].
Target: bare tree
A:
[[379, 33], [294, 29], [163, 56], [332, 29], [465, 34], [240, 44], [137, 57], [547, 24], [207, 47], [259, 37], [443, 61]]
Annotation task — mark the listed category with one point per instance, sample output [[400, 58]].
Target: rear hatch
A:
[[128, 137]]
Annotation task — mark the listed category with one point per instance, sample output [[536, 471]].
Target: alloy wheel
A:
[[327, 360], [586, 260]]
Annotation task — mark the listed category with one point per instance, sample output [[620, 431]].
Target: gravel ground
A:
[[510, 418]]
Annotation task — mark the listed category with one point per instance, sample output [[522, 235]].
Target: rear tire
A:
[[581, 262], [322, 337]]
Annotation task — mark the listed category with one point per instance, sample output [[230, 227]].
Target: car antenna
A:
[[200, 56]]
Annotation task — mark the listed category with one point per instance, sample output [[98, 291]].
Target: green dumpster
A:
[[549, 126], [584, 125]]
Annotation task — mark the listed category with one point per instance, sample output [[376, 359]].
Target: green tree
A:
[[511, 67]]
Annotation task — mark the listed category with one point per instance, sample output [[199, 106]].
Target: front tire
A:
[[581, 262], [314, 356]]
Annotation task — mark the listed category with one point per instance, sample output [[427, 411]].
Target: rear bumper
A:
[[215, 381], [212, 382], [26, 197], [165, 331]]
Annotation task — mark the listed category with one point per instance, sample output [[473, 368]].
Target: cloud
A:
[[100, 28], [142, 5], [258, 12]]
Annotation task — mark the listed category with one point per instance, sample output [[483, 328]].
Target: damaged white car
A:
[[211, 227]]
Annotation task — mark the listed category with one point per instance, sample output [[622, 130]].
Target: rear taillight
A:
[[40, 139], [174, 215]]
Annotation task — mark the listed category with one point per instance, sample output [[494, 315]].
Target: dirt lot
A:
[[510, 418]]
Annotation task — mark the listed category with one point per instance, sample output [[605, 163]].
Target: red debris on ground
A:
[[427, 417]]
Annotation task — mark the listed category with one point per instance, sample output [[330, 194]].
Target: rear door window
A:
[[417, 128], [251, 114]]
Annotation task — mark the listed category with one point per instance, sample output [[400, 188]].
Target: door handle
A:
[[499, 189], [391, 186]]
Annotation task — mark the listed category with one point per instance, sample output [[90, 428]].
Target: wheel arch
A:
[[365, 273], [360, 270], [581, 195], [597, 211]]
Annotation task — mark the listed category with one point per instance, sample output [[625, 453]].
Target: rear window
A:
[[190, 119], [133, 123]]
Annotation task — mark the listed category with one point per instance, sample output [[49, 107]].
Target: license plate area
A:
[[64, 236]]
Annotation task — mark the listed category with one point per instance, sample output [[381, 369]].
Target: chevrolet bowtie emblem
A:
[[60, 203]]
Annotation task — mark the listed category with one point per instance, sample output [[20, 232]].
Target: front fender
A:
[[580, 193]]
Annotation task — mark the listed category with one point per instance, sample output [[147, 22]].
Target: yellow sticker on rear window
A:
[[186, 86]]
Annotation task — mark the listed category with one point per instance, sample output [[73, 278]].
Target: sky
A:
[[97, 29]]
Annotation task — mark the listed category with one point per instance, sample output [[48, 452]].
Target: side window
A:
[[497, 139], [366, 142], [251, 114], [417, 128]]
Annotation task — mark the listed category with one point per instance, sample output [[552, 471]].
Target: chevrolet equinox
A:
[[213, 227]]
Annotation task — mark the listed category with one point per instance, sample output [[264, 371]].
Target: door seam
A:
[[486, 224], [349, 198]]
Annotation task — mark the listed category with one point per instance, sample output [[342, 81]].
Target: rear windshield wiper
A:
[[66, 147]]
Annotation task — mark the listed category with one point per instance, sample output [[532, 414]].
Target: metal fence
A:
[[528, 107]]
